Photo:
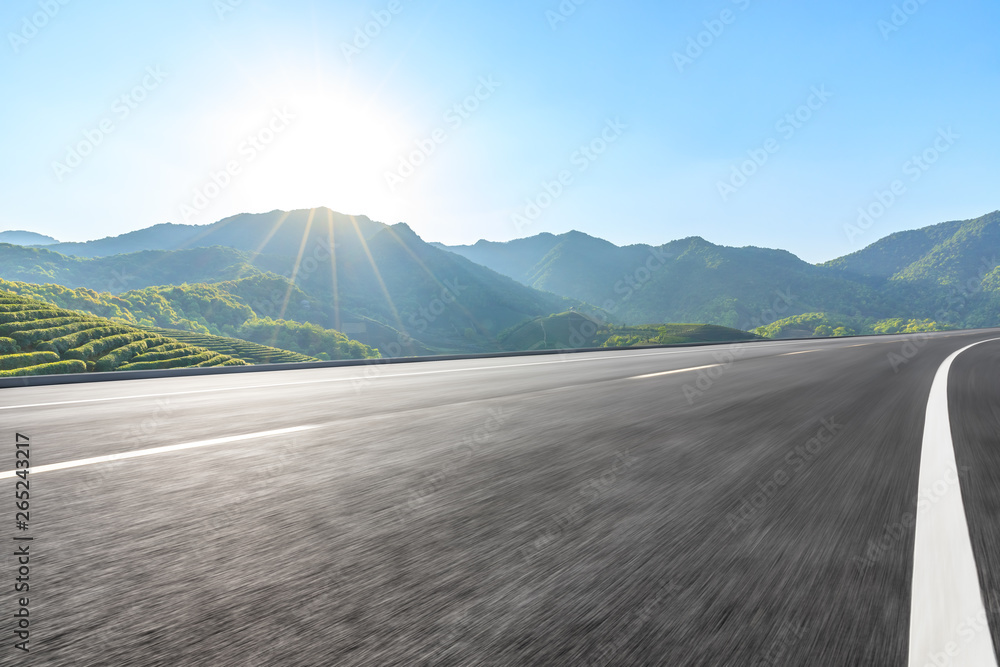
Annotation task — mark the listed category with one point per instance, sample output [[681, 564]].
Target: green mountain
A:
[[949, 253], [273, 233], [515, 259], [123, 272], [690, 280], [945, 273], [384, 287], [949, 272], [381, 285]]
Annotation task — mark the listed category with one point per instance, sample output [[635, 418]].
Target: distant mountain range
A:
[[950, 253], [385, 286], [381, 284], [947, 271], [20, 237], [274, 233]]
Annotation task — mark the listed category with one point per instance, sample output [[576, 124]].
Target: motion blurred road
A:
[[578, 509]]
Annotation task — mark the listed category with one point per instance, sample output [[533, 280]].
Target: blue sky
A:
[[632, 121]]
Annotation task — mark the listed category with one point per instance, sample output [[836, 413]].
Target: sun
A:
[[338, 142], [310, 146]]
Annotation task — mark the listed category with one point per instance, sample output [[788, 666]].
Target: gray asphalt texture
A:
[[519, 511]]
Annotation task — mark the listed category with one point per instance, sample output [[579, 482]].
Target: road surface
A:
[[741, 505]]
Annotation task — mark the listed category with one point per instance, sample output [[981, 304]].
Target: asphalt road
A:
[[591, 509]]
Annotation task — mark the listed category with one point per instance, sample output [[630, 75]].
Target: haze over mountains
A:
[[383, 284], [368, 279], [909, 274], [21, 237]]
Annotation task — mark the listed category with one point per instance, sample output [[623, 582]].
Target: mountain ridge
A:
[[22, 237], [250, 232], [383, 283], [361, 273], [906, 274]]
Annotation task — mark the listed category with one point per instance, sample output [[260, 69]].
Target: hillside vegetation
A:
[[211, 316], [124, 272], [250, 352], [305, 338], [203, 308], [948, 253], [945, 273], [37, 338], [689, 280], [810, 325], [574, 330], [343, 273], [320, 277]]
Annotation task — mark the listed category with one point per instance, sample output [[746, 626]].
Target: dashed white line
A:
[[679, 370], [34, 470], [945, 589], [356, 378], [327, 380]]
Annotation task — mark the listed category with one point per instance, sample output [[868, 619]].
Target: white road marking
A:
[[679, 370], [357, 378], [788, 354], [945, 591], [322, 381], [34, 470]]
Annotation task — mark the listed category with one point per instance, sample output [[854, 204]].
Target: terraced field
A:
[[254, 353], [39, 339]]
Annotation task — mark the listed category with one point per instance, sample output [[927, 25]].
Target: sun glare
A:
[[324, 146]]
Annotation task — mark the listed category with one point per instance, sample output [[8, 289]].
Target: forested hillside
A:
[[326, 285], [945, 273], [206, 315], [571, 330], [381, 284]]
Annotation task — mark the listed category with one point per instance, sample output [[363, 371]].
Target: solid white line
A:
[[34, 470], [364, 379], [680, 370], [946, 601]]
